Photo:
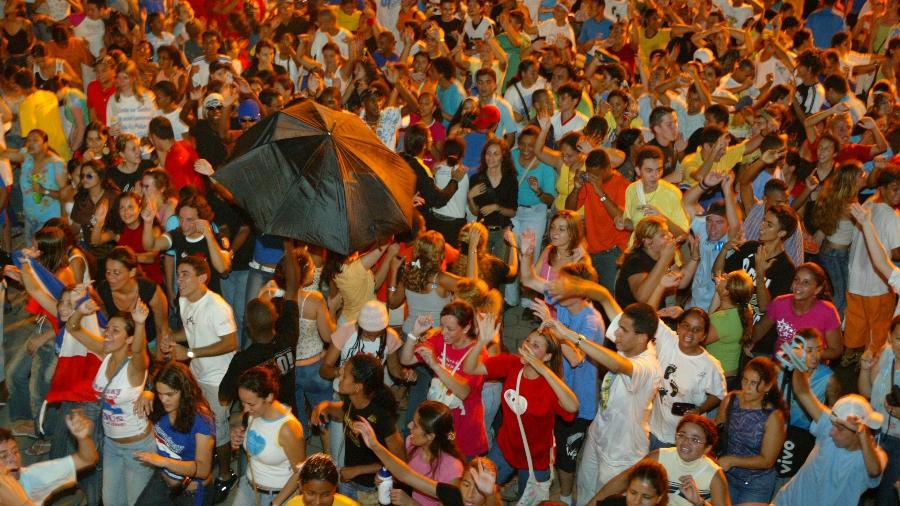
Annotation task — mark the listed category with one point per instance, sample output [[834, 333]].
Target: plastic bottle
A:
[[385, 486]]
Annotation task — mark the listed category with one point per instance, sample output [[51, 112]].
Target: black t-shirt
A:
[[355, 451], [230, 218], [128, 182], [636, 262], [452, 29], [209, 145], [278, 352], [506, 194], [146, 291], [669, 159], [778, 278], [185, 248]]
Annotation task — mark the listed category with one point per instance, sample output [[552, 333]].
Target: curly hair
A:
[[838, 193], [178, 377], [427, 257], [506, 162]]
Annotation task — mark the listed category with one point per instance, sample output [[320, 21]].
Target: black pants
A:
[[449, 228]]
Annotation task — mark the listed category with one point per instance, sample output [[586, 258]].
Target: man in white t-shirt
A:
[[39, 481], [870, 301], [329, 31], [209, 340], [618, 437], [167, 100]]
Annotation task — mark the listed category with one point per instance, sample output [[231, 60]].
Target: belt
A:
[[258, 266], [309, 360], [259, 490], [535, 205], [494, 228], [442, 217]]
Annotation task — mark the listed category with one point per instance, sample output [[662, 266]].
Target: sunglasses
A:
[[247, 119], [214, 108]]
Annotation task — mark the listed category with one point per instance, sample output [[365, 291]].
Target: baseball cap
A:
[[704, 55], [857, 405], [488, 117], [373, 317], [213, 100]]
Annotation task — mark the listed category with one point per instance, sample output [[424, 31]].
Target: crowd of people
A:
[[653, 258]]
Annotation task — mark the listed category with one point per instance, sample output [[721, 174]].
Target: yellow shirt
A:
[[41, 110], [666, 198], [658, 41], [565, 184], [733, 155], [348, 21], [339, 500]]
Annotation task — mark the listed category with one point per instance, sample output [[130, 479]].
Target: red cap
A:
[[488, 117]]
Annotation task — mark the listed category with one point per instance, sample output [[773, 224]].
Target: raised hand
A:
[[79, 425], [488, 326], [860, 214], [362, 427], [485, 479], [423, 324], [140, 312], [529, 241]]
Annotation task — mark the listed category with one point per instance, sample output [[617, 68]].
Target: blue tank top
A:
[[746, 428]]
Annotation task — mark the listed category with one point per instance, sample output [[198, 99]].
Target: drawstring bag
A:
[[535, 491], [439, 392]]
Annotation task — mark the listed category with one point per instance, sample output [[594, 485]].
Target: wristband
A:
[[703, 186], [412, 336]]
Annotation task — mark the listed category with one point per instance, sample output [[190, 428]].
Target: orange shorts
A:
[[867, 320]]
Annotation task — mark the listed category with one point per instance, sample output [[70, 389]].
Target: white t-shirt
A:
[[574, 124], [477, 32], [736, 16], [342, 39], [206, 322], [42, 479], [132, 115], [517, 93], [201, 78], [894, 281], [865, 281], [92, 31], [165, 39], [553, 32], [178, 127], [456, 206], [774, 66], [686, 378], [621, 427]]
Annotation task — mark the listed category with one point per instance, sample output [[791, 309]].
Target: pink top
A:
[[822, 316], [438, 134], [447, 469]]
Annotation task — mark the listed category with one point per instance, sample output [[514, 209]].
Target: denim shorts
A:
[[759, 489]]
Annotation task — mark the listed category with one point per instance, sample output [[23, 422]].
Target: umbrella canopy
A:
[[320, 176]]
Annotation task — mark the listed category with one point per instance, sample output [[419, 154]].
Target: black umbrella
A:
[[320, 176]]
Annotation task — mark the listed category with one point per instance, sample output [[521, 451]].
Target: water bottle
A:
[[385, 486]]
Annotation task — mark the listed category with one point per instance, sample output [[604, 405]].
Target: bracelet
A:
[[412, 336], [695, 259], [703, 186], [392, 289]]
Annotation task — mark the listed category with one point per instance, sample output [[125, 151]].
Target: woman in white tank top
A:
[[693, 476], [272, 439], [119, 384]]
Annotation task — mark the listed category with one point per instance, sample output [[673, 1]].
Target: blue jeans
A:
[[526, 218], [760, 489], [656, 443], [837, 264], [490, 399], [352, 489], [887, 494], [606, 267], [246, 496], [63, 444], [124, 477], [255, 281], [505, 471], [30, 380], [234, 291], [418, 393], [309, 386]]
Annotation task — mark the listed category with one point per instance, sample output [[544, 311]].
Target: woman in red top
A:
[[443, 350], [532, 390], [126, 228]]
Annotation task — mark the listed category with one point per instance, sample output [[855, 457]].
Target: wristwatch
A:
[[190, 354], [603, 198]]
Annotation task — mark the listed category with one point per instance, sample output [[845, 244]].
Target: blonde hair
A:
[[428, 254], [645, 229], [459, 267], [131, 68], [480, 296], [839, 192]]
